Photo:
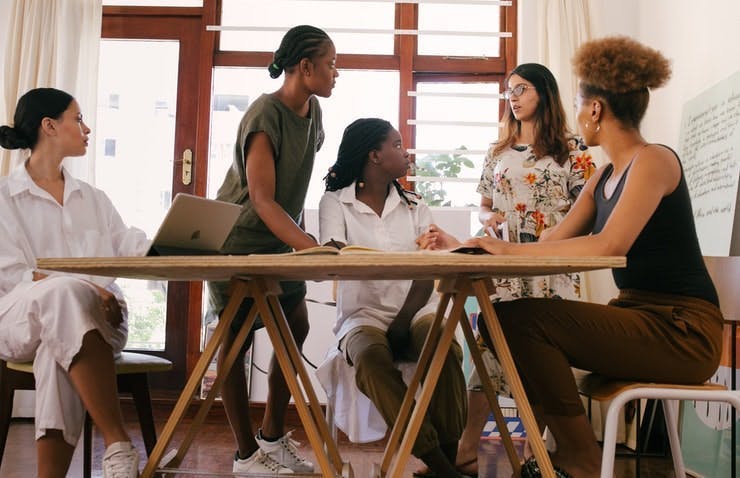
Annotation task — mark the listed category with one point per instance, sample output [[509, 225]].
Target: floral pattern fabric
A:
[[534, 194]]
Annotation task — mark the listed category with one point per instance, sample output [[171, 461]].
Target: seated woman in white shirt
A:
[[382, 321], [71, 327]]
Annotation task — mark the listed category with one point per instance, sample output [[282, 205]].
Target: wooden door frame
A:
[[186, 25]]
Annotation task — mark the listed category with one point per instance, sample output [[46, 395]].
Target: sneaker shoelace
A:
[[118, 466], [291, 446], [268, 462]]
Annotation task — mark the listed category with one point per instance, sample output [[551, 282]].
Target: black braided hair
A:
[[303, 41], [360, 138], [33, 107]]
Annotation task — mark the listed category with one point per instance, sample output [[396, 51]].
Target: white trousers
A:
[[45, 321]]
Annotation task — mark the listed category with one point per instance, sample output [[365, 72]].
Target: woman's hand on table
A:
[[490, 244], [435, 238]]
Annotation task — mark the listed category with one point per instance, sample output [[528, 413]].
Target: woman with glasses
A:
[[530, 179]]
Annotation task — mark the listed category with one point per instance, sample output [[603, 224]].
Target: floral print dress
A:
[[534, 194]]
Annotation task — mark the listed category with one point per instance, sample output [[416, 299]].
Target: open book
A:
[[331, 250]]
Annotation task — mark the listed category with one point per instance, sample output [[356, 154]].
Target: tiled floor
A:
[[212, 453]]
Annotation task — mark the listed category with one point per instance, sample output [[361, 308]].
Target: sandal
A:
[[530, 469]]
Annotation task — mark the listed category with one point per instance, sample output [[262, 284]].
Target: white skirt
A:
[[44, 322]]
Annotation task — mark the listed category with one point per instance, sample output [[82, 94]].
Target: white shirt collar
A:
[[19, 181], [348, 195]]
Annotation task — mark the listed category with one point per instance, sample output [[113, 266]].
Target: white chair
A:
[[725, 272], [602, 389]]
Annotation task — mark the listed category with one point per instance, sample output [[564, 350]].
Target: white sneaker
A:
[[284, 451], [121, 460], [259, 463]]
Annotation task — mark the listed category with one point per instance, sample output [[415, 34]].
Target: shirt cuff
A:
[[27, 276]]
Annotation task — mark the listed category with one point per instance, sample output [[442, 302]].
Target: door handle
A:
[[187, 166]]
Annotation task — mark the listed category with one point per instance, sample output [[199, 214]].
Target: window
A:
[[154, 3], [266, 28], [145, 72], [114, 101], [178, 97], [435, 66], [366, 93], [110, 147], [454, 123], [479, 39]]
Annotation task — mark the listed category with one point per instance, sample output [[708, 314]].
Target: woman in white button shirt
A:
[[70, 327], [381, 321]]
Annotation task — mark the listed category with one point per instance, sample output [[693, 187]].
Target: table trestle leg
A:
[[291, 364], [239, 291], [482, 288], [430, 382], [205, 406], [491, 395], [430, 344]]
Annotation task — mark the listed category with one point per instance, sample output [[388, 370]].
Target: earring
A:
[[360, 184], [598, 127]]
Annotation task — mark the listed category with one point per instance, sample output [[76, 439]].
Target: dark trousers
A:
[[367, 350], [641, 336]]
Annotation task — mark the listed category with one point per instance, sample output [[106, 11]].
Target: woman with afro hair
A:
[[665, 325]]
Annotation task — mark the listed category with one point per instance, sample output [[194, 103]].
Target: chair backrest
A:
[[725, 273]]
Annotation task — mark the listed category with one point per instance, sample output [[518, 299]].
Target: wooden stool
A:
[[131, 371], [619, 392]]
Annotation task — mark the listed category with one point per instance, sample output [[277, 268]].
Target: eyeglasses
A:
[[517, 91]]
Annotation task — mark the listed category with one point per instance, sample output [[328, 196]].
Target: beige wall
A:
[[703, 41]]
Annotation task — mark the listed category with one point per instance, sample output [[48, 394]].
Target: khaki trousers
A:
[[367, 350]]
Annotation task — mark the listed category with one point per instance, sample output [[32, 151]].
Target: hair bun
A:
[[275, 69], [620, 64], [11, 138]]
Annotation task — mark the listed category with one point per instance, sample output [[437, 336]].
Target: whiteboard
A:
[[709, 147]]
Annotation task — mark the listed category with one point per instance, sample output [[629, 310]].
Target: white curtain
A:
[[50, 43], [564, 25]]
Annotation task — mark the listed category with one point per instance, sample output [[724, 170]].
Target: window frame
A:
[[412, 67]]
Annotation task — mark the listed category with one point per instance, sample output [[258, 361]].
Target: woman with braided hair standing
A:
[[276, 143], [381, 321]]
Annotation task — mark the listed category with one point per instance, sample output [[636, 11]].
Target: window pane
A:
[[284, 14], [466, 18], [437, 142], [358, 94], [155, 3], [134, 142]]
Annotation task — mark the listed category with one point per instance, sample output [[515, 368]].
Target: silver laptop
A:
[[194, 225]]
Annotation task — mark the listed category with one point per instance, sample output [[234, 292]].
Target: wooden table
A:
[[460, 276]]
